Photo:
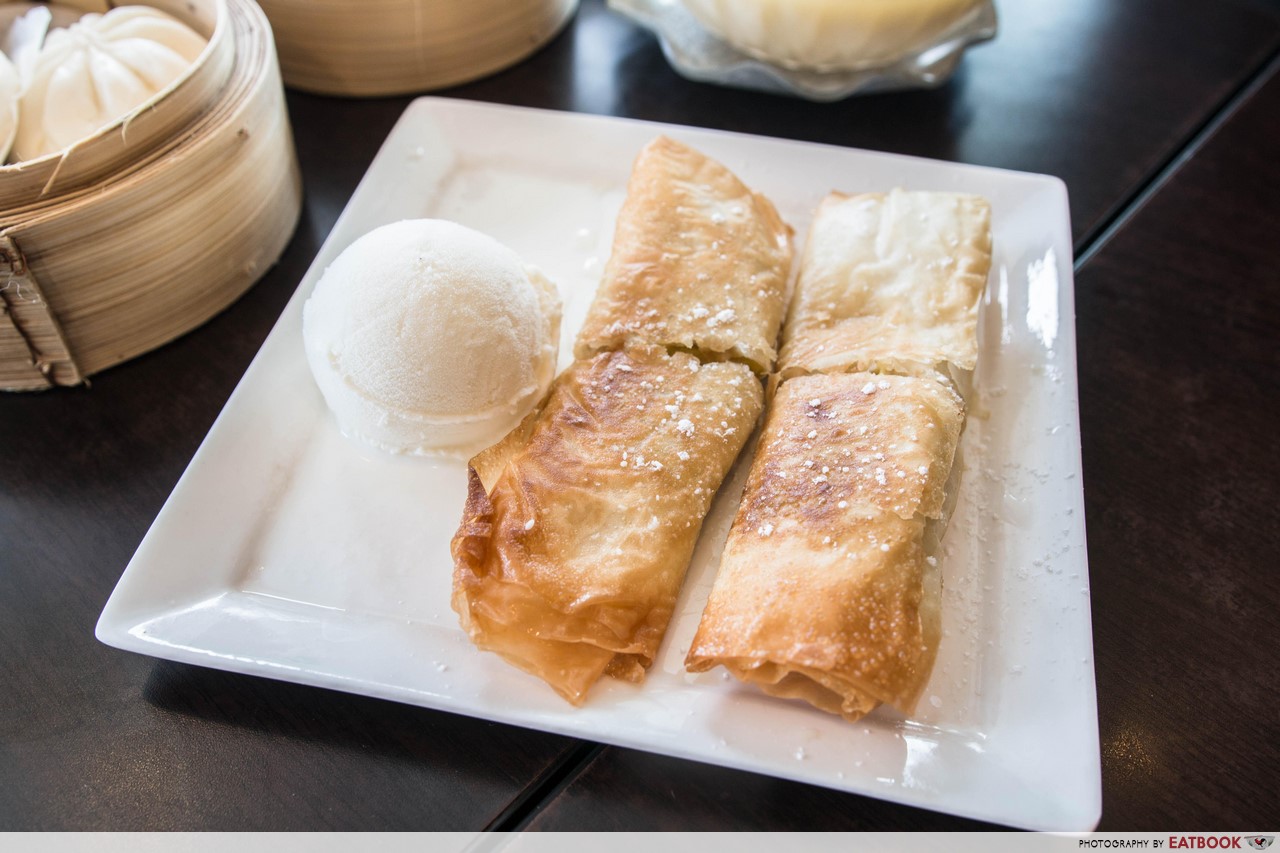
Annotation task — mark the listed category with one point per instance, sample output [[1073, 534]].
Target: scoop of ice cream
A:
[[428, 337]]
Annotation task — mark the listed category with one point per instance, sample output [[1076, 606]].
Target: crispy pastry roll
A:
[[829, 589], [890, 282], [699, 263], [579, 526]]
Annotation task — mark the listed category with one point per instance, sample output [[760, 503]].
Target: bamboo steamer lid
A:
[[130, 240], [396, 47]]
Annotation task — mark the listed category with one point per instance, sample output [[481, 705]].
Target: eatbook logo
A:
[[1261, 842]]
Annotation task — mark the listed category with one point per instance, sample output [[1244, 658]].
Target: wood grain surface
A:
[[1179, 325]]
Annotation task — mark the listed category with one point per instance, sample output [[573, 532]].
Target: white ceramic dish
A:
[[698, 54], [288, 551]]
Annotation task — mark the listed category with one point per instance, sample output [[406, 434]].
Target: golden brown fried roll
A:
[[699, 263], [828, 589], [890, 282], [579, 526]]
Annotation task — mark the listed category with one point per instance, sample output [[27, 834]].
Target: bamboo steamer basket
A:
[[146, 230], [395, 47]]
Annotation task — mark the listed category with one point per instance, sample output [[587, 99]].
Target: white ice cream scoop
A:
[[429, 337]]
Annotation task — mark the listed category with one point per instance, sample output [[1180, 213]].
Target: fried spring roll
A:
[[579, 526], [889, 282], [829, 589], [699, 263]]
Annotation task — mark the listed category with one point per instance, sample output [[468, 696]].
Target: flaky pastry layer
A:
[[826, 591], [890, 282], [579, 526], [699, 263]]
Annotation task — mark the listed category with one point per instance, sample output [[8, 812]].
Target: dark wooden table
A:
[[1163, 119]]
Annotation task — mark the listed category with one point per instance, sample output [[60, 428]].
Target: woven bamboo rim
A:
[[395, 47], [102, 273]]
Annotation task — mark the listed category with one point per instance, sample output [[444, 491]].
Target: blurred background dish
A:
[[821, 51], [832, 35], [392, 47]]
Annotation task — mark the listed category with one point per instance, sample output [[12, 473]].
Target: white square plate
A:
[[288, 551]]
